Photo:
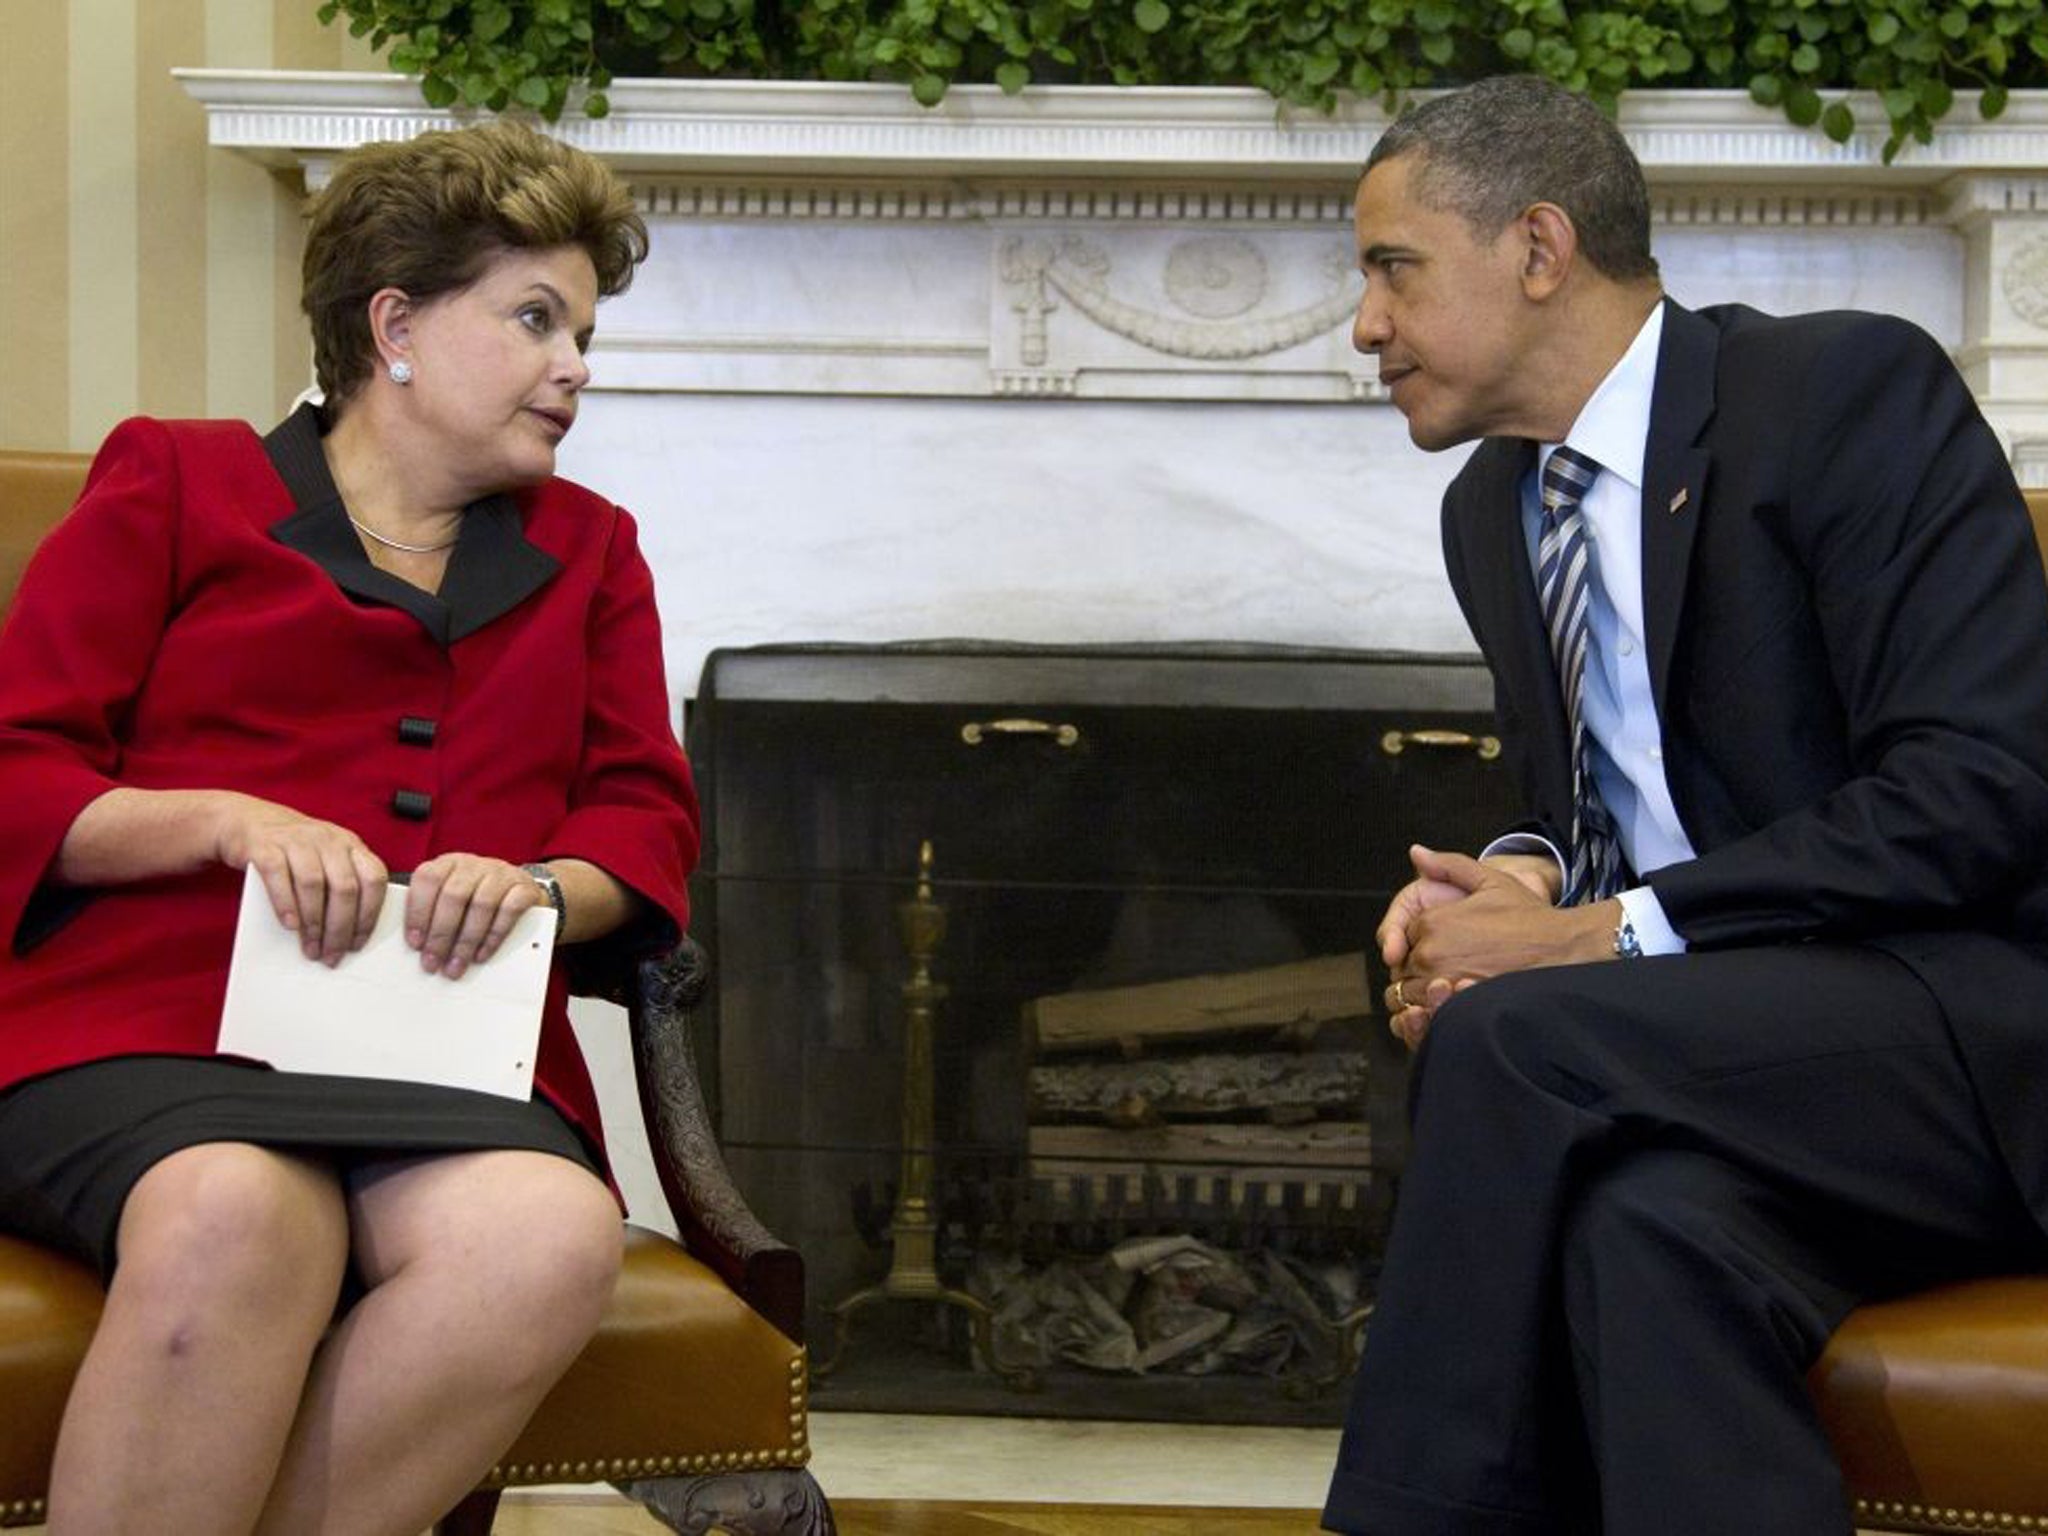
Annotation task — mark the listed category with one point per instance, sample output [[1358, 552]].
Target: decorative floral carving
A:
[[1216, 276], [1079, 272], [668, 988], [756, 1503], [2026, 281]]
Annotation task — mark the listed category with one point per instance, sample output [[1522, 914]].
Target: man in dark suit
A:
[[1741, 1028]]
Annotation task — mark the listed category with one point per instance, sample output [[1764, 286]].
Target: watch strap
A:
[[1626, 945], [550, 887]]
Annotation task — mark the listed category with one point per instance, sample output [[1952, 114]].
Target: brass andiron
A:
[[913, 1229]]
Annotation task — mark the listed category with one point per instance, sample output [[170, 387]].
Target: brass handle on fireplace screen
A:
[[1394, 743], [974, 732]]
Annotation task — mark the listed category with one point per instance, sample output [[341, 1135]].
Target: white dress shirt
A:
[[1624, 744]]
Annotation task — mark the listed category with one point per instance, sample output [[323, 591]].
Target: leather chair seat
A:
[[1937, 1404], [49, 1307], [617, 1414]]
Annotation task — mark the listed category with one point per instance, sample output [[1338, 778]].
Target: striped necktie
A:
[[1564, 582]]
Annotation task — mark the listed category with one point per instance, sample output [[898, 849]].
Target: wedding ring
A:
[[1401, 994]]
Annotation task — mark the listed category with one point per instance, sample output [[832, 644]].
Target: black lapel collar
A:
[[1496, 544], [1498, 557], [491, 570], [1503, 582], [1674, 478]]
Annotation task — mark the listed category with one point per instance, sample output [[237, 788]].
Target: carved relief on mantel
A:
[[1226, 315], [2026, 281]]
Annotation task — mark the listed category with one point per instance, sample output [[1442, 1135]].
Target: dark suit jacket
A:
[[205, 618], [1848, 643]]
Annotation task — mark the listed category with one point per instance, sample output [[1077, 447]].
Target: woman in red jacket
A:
[[383, 638]]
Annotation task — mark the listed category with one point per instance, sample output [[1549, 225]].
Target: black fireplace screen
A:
[[1044, 1017]]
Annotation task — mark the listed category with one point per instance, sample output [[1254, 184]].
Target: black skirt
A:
[[74, 1143]]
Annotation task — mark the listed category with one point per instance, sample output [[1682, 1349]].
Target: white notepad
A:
[[377, 1014]]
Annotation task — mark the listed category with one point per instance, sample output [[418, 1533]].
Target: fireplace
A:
[[1144, 1166]]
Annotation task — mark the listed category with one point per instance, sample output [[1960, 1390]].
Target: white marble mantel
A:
[[1073, 365]]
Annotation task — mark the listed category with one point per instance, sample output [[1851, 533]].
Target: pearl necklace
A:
[[408, 549]]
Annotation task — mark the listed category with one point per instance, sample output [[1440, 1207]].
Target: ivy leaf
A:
[[531, 91], [1151, 15], [438, 90], [1954, 23], [1518, 43], [491, 23], [1884, 26], [929, 90], [1805, 59], [1012, 76], [1766, 90], [1838, 122], [1802, 104], [1992, 103]]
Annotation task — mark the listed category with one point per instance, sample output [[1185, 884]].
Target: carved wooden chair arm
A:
[[711, 1215]]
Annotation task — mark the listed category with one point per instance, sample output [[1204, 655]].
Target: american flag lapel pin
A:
[[1678, 502]]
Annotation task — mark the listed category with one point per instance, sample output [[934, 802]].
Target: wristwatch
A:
[[1626, 945], [551, 888]]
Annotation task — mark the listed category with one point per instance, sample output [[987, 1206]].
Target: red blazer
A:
[[206, 619]]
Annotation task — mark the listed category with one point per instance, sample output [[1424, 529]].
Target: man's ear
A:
[[1550, 248]]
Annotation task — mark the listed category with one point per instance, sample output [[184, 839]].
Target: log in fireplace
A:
[[1132, 983]]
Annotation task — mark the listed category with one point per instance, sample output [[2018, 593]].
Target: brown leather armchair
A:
[[691, 1397]]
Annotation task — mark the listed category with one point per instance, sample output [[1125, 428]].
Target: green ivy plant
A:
[[538, 54], [1800, 56]]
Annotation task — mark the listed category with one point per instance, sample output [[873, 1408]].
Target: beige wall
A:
[[141, 271]]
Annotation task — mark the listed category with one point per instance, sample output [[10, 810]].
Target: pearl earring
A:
[[401, 372]]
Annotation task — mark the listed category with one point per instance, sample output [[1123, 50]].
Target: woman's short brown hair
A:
[[426, 215]]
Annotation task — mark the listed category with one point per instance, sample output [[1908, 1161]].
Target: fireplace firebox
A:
[[1044, 1016]]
